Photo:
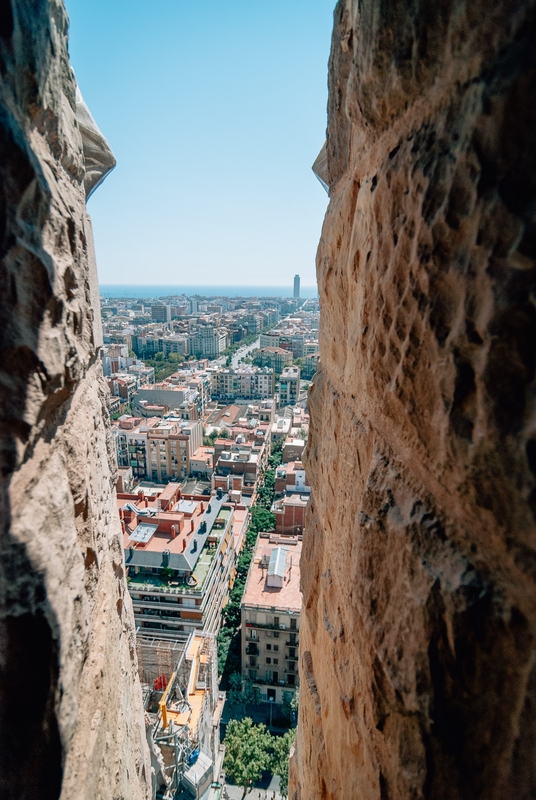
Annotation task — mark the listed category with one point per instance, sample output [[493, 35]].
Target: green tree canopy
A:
[[242, 691], [262, 519], [248, 751], [280, 757]]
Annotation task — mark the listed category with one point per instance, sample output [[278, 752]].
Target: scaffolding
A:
[[156, 660], [184, 727]]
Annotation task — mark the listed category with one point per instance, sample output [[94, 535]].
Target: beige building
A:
[[270, 612], [289, 386], [274, 357], [172, 443], [247, 383]]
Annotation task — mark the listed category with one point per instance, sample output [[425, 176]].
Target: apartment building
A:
[[158, 448], [269, 339], [180, 556], [253, 322], [274, 357], [289, 386], [144, 374], [161, 313], [243, 383], [114, 359], [208, 341], [310, 364], [123, 385], [162, 394], [130, 434], [270, 613], [197, 380], [150, 344], [172, 443], [291, 498]]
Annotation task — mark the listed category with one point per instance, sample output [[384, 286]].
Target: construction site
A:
[[184, 709]]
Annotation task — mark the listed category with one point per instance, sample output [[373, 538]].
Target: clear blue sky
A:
[[215, 111]]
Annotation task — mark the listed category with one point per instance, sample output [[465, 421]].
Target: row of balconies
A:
[[280, 626], [172, 621], [253, 663], [271, 682]]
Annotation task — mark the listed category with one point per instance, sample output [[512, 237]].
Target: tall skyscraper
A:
[[296, 286]]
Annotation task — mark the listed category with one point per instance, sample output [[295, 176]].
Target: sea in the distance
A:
[[139, 291]]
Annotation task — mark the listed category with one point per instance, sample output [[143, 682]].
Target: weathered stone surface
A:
[[71, 719], [419, 566]]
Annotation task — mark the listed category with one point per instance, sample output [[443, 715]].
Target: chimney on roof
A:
[[165, 558], [202, 507], [173, 531], [192, 525], [140, 496], [183, 545]]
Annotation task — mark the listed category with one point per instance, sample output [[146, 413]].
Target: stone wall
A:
[[71, 719], [417, 644]]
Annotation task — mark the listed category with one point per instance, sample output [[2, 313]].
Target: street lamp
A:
[[271, 700]]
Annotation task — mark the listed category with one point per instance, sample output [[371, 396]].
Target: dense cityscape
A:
[[208, 402]]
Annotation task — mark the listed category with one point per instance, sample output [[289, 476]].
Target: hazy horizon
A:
[[140, 290]]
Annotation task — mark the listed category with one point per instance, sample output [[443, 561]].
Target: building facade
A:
[[246, 383], [289, 386], [207, 341], [270, 613], [180, 557]]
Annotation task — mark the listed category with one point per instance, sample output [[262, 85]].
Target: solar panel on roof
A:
[[278, 560]]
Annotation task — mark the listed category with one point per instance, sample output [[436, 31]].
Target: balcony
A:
[[279, 682], [252, 649], [143, 582], [270, 627]]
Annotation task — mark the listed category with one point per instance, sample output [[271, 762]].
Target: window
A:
[[268, 634], [268, 660], [291, 680], [292, 638], [269, 646], [276, 661], [292, 652], [276, 622], [292, 624], [252, 661], [276, 634], [276, 647], [252, 674]]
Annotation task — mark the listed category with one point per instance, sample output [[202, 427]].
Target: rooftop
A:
[[173, 538], [288, 596]]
